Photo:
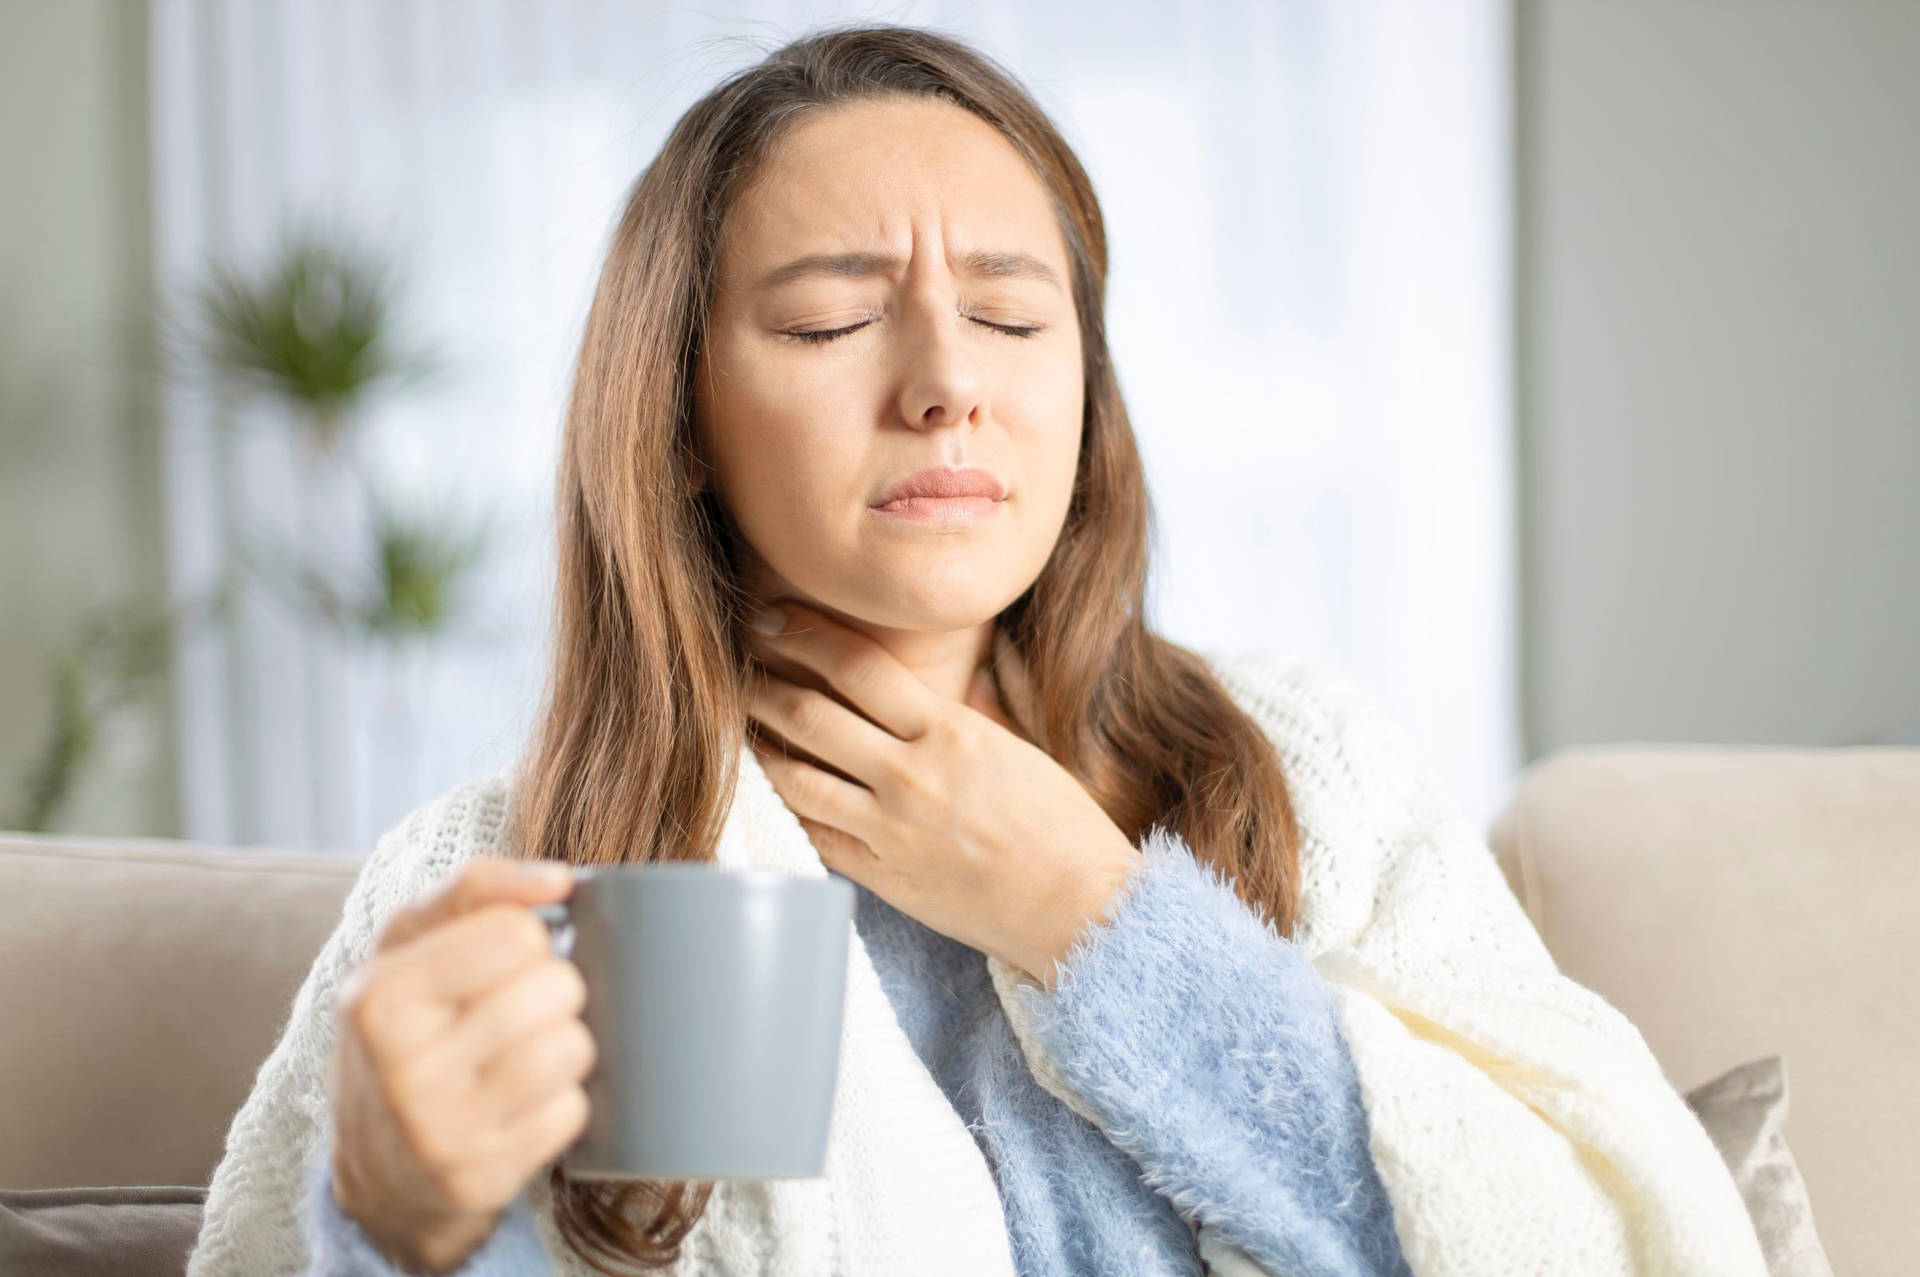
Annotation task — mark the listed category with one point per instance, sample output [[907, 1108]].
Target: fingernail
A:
[[770, 620], [545, 872]]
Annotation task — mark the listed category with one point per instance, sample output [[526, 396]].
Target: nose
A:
[[940, 379]]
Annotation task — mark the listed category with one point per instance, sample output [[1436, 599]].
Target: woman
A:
[[1213, 971]]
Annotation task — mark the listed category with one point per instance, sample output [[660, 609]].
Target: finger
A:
[[824, 728], [858, 667], [841, 852], [500, 1162], [816, 795], [481, 880], [515, 1009], [458, 961], [543, 1133], [529, 1071]]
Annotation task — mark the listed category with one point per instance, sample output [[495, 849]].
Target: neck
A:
[[944, 660]]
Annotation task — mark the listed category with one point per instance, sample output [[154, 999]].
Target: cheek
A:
[[782, 444], [1050, 440]]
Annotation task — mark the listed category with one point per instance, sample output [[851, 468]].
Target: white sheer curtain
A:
[[1308, 211]]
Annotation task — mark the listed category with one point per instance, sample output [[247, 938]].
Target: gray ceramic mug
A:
[[715, 998]]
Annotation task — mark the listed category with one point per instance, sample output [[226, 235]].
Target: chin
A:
[[910, 601]]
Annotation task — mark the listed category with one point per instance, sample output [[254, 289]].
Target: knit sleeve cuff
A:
[[339, 1247], [1205, 1046], [1176, 939]]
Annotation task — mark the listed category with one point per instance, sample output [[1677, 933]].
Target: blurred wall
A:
[[1719, 370], [79, 513], [1718, 309]]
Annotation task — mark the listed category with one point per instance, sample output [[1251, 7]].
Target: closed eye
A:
[[820, 335]]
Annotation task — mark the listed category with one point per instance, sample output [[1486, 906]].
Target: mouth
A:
[[949, 510], [944, 483], [943, 495]]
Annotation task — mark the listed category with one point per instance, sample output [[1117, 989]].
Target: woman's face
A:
[[915, 228]]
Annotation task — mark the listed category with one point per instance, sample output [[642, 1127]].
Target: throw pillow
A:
[[1744, 1111], [99, 1232]]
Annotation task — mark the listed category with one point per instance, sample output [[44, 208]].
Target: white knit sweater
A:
[[1518, 1121]]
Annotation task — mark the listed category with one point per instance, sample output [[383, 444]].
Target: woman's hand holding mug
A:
[[459, 1064]]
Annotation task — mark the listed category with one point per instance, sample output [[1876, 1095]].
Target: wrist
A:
[[433, 1253], [443, 1251], [1089, 903], [429, 1251]]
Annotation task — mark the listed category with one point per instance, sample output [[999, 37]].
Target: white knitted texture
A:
[[906, 1189], [1519, 1122]]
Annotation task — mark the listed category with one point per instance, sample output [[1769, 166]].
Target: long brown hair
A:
[[635, 753]]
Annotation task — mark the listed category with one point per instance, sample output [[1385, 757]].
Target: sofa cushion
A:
[[156, 976], [1741, 901], [85, 1231], [1744, 1111], [99, 1232]]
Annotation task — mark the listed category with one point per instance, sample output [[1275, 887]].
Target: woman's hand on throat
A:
[[939, 807]]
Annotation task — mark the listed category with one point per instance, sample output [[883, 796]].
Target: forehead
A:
[[879, 175]]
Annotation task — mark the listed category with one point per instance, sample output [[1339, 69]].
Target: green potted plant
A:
[[115, 658], [317, 332]]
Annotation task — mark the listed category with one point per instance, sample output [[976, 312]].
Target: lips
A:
[[942, 481]]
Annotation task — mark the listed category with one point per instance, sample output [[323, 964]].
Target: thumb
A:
[[477, 883]]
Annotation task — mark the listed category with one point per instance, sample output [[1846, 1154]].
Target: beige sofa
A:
[[1733, 902]]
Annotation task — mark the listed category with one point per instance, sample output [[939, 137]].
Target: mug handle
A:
[[561, 932], [558, 915]]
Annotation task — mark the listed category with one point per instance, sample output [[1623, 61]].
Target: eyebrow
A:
[[982, 262]]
